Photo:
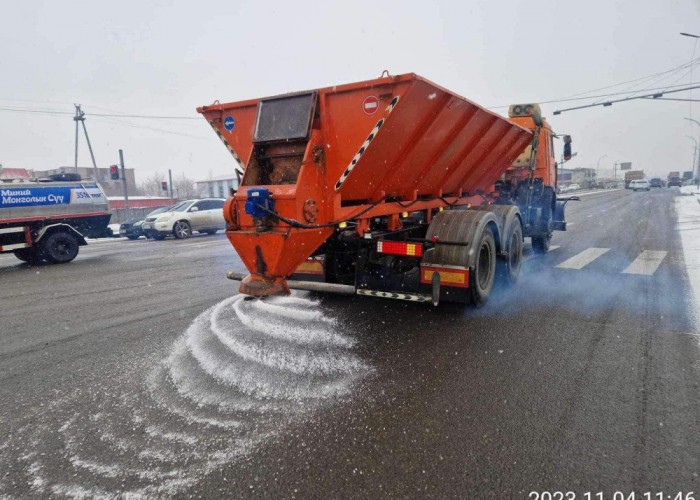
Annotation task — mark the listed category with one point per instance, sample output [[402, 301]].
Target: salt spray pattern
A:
[[242, 372]]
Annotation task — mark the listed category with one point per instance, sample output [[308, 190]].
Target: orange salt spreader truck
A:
[[393, 187]]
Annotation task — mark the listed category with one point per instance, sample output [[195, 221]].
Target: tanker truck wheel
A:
[[59, 247], [29, 255], [509, 267], [482, 275]]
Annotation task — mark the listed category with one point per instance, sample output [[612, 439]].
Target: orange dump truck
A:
[[393, 187]]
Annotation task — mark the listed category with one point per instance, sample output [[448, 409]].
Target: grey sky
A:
[[166, 58]]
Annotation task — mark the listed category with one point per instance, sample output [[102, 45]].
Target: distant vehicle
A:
[[574, 187], [203, 216], [640, 184], [675, 181], [656, 182], [133, 228], [633, 175], [49, 220]]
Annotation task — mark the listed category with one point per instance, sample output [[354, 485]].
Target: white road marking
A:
[[554, 247], [646, 263], [583, 259], [568, 224]]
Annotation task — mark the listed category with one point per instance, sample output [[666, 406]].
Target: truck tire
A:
[[29, 255], [481, 276], [182, 230], [59, 247], [540, 244], [508, 267]]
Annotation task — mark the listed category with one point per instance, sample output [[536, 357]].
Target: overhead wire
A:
[[584, 95]]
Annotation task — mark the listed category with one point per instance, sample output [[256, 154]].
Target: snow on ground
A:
[[688, 209]]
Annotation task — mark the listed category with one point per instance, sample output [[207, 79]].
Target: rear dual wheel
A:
[[482, 275], [508, 268]]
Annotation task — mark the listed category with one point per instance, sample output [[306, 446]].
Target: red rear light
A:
[[400, 248]]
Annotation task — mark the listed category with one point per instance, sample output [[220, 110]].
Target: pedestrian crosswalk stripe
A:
[[646, 263], [582, 259]]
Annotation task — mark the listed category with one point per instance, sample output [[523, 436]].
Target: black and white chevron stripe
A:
[[240, 168], [365, 144], [413, 297]]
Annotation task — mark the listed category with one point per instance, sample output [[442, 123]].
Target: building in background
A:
[[565, 177], [217, 187], [14, 173], [585, 177], [111, 188], [152, 202]]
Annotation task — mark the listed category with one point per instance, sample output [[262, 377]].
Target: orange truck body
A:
[[350, 154]]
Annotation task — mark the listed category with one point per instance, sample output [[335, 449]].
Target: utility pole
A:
[[597, 168], [126, 194], [697, 172], [80, 118], [170, 178], [695, 155]]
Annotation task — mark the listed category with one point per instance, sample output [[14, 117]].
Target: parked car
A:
[[203, 216], [133, 229], [640, 184]]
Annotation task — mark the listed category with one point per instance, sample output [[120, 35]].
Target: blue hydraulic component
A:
[[259, 199]]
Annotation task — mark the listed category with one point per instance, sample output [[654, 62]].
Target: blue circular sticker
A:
[[229, 123]]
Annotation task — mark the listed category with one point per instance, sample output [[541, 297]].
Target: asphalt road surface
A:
[[136, 370]]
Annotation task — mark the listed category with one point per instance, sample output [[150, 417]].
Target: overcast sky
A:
[[166, 58]]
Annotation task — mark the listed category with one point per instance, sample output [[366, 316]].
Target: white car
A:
[[203, 216], [640, 184]]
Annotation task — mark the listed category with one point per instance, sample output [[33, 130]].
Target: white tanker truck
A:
[[48, 219]]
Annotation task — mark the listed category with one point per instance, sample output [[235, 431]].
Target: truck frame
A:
[[394, 187]]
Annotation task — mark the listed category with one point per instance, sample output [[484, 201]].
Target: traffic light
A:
[[164, 185], [114, 172]]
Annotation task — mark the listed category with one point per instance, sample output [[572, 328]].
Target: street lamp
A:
[[697, 174], [597, 166], [695, 151]]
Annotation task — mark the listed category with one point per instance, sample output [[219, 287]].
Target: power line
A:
[[112, 121], [110, 115], [631, 81], [554, 101], [610, 103]]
